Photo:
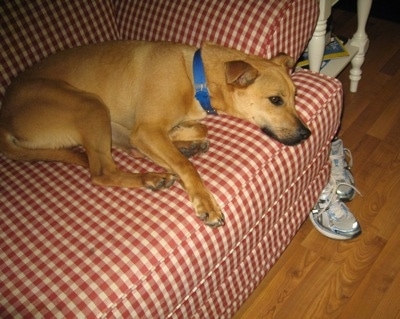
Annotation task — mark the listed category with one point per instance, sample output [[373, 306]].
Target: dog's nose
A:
[[304, 133]]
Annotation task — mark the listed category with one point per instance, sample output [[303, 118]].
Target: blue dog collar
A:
[[200, 84]]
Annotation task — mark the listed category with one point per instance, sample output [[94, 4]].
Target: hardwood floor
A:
[[317, 277]]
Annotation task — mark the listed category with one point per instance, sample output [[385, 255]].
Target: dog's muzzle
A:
[[298, 136]]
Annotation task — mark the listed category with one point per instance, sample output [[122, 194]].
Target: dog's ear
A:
[[240, 73], [284, 59]]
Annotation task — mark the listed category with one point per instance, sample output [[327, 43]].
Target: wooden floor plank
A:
[[389, 307], [393, 65], [310, 290], [272, 292], [389, 116], [283, 285], [377, 282]]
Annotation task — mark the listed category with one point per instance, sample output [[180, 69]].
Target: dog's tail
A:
[[10, 147]]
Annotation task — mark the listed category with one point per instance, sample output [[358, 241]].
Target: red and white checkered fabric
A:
[[31, 30], [69, 249], [264, 28]]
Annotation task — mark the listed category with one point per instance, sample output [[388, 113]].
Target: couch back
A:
[[33, 29], [263, 28]]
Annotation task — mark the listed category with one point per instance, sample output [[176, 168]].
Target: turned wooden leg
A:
[[360, 40], [316, 46]]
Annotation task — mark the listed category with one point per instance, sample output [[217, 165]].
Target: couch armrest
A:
[[263, 28]]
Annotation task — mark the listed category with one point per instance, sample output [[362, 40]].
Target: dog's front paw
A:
[[213, 221], [157, 181], [192, 148], [209, 212]]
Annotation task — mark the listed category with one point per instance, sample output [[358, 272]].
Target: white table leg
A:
[[360, 40], [316, 46]]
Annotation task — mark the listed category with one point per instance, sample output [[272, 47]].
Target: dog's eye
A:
[[276, 100]]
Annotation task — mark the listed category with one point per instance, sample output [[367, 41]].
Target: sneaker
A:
[[331, 217], [341, 170]]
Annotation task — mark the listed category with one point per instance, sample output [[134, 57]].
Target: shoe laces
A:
[[340, 165], [333, 203]]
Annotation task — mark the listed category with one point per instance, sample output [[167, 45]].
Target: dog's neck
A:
[[214, 58], [200, 84]]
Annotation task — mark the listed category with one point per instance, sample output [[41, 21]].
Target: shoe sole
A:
[[331, 234]]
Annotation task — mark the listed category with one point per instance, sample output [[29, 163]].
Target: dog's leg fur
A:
[[81, 119]]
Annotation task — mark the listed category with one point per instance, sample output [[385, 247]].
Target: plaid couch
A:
[[73, 250]]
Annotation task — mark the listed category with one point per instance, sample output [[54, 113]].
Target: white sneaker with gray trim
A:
[[331, 217], [340, 170]]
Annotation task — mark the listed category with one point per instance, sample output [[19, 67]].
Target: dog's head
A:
[[263, 93]]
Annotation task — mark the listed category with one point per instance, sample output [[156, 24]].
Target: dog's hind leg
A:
[[190, 137], [10, 147], [104, 172], [51, 117]]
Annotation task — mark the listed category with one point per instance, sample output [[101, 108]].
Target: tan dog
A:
[[141, 94]]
